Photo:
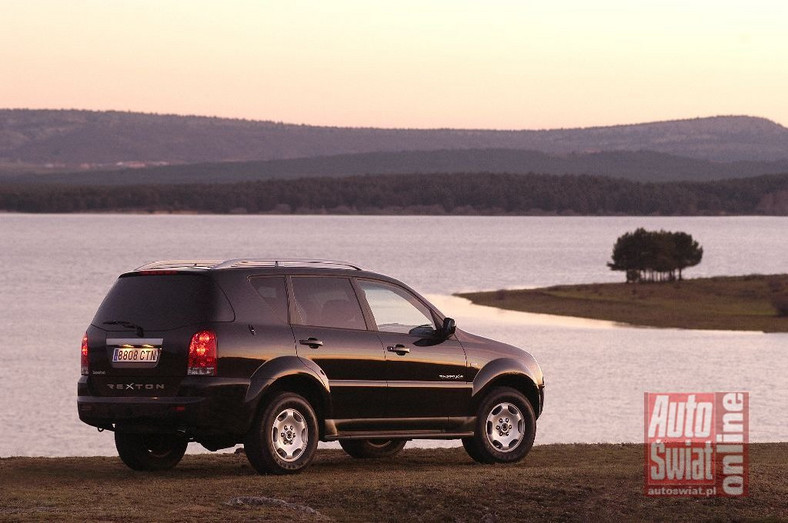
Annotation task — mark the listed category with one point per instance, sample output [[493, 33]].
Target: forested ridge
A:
[[642, 166], [490, 194]]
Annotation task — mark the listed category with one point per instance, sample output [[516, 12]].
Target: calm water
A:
[[56, 269]]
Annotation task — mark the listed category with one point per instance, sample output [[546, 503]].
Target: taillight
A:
[[84, 358], [202, 354]]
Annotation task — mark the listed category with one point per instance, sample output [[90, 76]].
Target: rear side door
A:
[[330, 330], [426, 373]]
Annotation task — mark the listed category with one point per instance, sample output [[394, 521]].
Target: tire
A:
[[150, 451], [505, 428], [372, 448], [283, 437], [469, 444]]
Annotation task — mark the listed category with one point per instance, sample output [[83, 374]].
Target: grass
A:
[[754, 302], [555, 482]]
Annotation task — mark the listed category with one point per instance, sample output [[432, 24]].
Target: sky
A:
[[494, 64]]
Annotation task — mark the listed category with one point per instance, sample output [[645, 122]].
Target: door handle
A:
[[313, 343], [399, 349]]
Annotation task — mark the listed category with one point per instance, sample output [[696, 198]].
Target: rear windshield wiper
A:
[[128, 325]]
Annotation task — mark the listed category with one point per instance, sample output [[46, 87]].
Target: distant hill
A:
[[64, 139], [646, 166]]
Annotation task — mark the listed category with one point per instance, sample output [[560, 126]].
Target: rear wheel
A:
[[505, 428], [469, 444], [150, 451], [372, 448], [283, 437]]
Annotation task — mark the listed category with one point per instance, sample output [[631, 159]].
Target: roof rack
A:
[[245, 262], [179, 264], [285, 262]]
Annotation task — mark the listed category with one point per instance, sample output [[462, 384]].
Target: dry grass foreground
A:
[[555, 482], [720, 303]]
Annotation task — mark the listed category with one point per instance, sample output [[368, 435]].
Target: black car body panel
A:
[[492, 361], [329, 332]]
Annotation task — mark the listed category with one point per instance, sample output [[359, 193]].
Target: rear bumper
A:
[[203, 406]]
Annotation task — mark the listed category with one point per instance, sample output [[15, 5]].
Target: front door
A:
[[426, 373]]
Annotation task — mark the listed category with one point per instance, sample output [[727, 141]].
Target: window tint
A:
[[327, 302], [161, 302], [396, 310], [274, 295]]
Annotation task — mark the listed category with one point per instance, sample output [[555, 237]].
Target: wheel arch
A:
[[507, 372], [290, 374]]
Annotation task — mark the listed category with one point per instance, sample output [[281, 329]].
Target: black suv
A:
[[280, 354]]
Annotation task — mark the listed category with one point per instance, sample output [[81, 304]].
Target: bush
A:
[[780, 303], [775, 285]]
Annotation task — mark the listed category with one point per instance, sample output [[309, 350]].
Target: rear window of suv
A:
[[162, 302]]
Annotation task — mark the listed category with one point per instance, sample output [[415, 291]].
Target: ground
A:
[[554, 482]]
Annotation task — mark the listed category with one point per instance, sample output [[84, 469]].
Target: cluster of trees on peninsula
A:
[[489, 194], [655, 255]]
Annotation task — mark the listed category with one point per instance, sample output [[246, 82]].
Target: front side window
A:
[[327, 302], [396, 310]]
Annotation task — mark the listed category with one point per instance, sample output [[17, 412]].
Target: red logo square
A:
[[696, 443]]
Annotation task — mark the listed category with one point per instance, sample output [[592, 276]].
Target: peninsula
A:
[[753, 303]]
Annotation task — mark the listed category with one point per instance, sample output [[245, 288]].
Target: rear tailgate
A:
[[138, 342]]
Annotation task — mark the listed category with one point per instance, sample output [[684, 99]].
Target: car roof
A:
[[257, 266]]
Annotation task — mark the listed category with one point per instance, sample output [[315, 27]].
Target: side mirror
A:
[[448, 328]]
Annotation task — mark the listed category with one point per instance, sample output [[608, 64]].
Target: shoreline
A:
[[387, 212], [392, 211], [726, 303]]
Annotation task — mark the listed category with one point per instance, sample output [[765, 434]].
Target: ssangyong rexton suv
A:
[[279, 355]]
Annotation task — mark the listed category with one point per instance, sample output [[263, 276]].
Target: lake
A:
[[57, 268]]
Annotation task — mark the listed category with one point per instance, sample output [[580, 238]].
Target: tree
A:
[[654, 255], [629, 254], [688, 251]]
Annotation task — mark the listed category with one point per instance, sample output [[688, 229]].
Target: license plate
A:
[[136, 355]]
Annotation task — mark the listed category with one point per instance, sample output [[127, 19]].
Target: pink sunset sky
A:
[[499, 64]]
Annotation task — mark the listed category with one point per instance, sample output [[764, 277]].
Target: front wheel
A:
[[505, 428], [283, 437], [150, 451], [372, 448]]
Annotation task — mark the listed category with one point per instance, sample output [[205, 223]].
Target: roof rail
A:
[[179, 264], [285, 262]]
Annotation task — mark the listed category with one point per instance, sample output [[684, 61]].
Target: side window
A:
[[396, 310], [327, 302], [274, 294]]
